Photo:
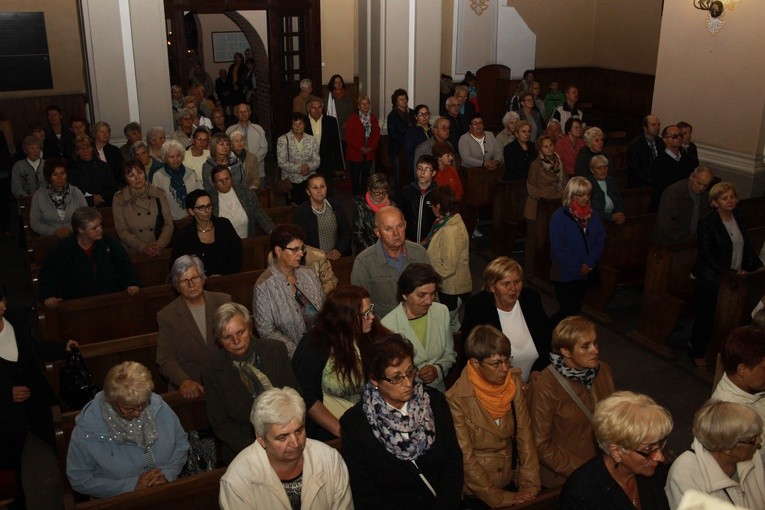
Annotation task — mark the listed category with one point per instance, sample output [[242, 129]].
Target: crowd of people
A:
[[529, 404]]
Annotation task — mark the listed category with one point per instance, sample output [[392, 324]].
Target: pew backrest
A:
[[238, 285]]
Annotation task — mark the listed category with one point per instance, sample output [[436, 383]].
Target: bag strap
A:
[[514, 439], [567, 387]]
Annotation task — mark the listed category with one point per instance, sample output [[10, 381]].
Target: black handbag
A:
[[160, 223], [77, 388]]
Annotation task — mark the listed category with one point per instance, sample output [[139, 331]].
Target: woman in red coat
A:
[[362, 134]]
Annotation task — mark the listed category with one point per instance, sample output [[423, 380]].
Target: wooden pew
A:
[[281, 214], [239, 286], [636, 200], [342, 268], [508, 221], [101, 356], [105, 317], [255, 251], [753, 211], [538, 258], [546, 500], [479, 185]]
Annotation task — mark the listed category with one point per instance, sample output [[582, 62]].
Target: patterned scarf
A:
[[177, 186], [388, 424], [141, 431], [583, 376], [581, 214], [58, 197], [554, 166], [241, 155], [496, 399], [374, 206], [435, 228], [249, 371], [366, 121]]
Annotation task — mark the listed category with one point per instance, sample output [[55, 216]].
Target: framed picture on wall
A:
[[225, 44]]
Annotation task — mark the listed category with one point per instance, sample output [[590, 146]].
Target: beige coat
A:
[[564, 436], [487, 447], [542, 184], [135, 218], [449, 252]]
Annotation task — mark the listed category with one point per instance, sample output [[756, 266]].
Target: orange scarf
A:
[[495, 399]]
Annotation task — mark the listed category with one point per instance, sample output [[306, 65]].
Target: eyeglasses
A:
[[189, 281], [127, 411], [379, 192], [751, 441], [675, 136], [656, 447], [423, 114], [398, 379], [508, 362], [367, 313], [296, 249], [206, 207]]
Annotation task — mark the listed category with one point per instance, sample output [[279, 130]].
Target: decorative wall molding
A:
[[745, 170]]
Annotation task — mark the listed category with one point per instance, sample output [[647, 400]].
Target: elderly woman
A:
[[185, 342], [723, 461], [743, 359], [546, 178], [323, 220], [593, 145], [220, 154], [530, 113], [199, 151], [577, 237], [244, 368], [284, 469], [248, 160], [328, 363], [297, 155], [563, 398], [141, 213], [493, 427], [155, 138], [126, 439], [140, 151], [106, 151], [425, 323], [362, 134], [27, 173], [365, 208], [631, 430], [605, 197], [519, 153], [517, 311], [86, 263], [287, 296], [507, 135], [91, 175], [723, 247], [399, 441], [211, 238], [569, 145], [448, 245], [174, 179], [238, 204], [54, 204]]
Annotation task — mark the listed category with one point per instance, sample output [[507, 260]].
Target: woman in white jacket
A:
[[722, 460]]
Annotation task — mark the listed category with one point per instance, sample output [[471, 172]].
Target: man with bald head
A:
[[681, 206], [378, 267], [642, 151]]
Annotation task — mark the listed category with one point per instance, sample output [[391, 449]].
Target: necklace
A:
[[205, 230]]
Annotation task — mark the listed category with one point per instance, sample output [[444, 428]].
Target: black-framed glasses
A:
[[398, 379], [655, 447], [189, 281], [206, 207], [127, 411], [496, 364], [366, 313], [379, 192], [296, 249]]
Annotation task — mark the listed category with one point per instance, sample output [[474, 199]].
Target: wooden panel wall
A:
[[21, 112]]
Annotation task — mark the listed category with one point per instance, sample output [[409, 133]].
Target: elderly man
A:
[[569, 107], [378, 267], [327, 133], [300, 102], [254, 136], [458, 125], [478, 147], [283, 468], [681, 206], [27, 174], [462, 92], [688, 146], [643, 151], [133, 133], [670, 166], [441, 130], [239, 204]]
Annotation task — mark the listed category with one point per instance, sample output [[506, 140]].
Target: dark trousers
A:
[[11, 451], [359, 176], [570, 298], [706, 304]]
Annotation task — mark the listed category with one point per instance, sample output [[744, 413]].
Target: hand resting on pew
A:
[[150, 479], [190, 389]]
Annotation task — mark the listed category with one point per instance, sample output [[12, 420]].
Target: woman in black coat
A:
[[724, 246]]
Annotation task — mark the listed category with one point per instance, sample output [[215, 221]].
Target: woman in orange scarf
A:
[[493, 426]]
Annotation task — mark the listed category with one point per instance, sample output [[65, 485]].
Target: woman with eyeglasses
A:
[[287, 297], [185, 342], [327, 362], [398, 441], [563, 398], [631, 430], [211, 238], [723, 461], [126, 439], [414, 136], [530, 113], [425, 323], [493, 426], [365, 208]]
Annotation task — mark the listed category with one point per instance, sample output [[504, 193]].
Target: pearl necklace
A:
[[205, 230]]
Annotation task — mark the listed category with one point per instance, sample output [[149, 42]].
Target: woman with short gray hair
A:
[[507, 135], [175, 179], [593, 145], [155, 137], [723, 461], [605, 195]]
